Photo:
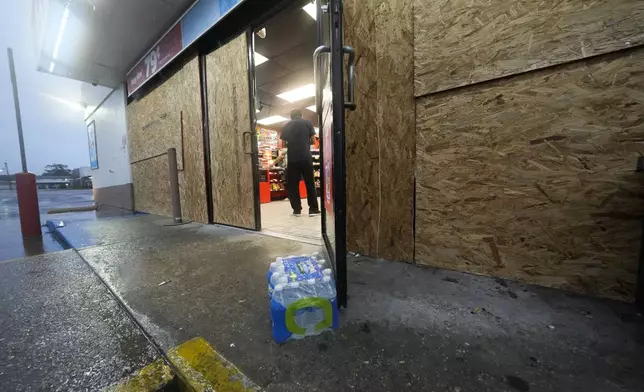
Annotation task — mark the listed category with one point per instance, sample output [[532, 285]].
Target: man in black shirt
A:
[[300, 134]]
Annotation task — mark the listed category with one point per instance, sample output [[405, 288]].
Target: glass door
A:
[[330, 106]]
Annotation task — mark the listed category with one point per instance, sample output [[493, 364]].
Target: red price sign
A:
[[169, 47]]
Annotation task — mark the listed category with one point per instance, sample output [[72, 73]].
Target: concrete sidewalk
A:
[[407, 328]]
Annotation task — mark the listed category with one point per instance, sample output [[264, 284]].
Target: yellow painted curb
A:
[[203, 369], [153, 377]]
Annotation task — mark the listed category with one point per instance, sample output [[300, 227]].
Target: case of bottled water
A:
[[302, 297]]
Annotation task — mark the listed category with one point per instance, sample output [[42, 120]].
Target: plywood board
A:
[[532, 178], [154, 123], [230, 139], [192, 179], [380, 134], [462, 42], [170, 116], [362, 153], [151, 186]]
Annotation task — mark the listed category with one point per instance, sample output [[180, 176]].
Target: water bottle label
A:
[[309, 318], [301, 269]]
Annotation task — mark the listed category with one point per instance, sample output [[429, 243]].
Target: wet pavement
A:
[[12, 245], [62, 330], [84, 230], [407, 328]]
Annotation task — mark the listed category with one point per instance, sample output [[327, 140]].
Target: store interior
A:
[[283, 57]]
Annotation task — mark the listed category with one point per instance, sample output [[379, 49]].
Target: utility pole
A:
[[6, 170], [16, 104], [26, 188]]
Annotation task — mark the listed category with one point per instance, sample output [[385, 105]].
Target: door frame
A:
[[252, 82], [339, 254], [338, 251], [250, 43], [339, 150]]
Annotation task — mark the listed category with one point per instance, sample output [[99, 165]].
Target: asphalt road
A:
[[12, 245], [62, 330]]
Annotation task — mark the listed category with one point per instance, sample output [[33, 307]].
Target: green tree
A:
[[57, 170]]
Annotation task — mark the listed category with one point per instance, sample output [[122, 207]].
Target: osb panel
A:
[[380, 134], [154, 125], [229, 113], [533, 178], [362, 155], [151, 186], [154, 122], [462, 42], [192, 179]]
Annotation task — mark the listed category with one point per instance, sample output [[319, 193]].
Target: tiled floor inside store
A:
[[278, 218]]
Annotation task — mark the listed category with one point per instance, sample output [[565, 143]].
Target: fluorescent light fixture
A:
[[70, 104], [310, 9], [52, 65], [299, 93], [259, 59], [61, 32], [271, 120], [312, 108]]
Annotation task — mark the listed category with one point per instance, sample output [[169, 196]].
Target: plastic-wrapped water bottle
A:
[[274, 280], [326, 288], [303, 301], [275, 270]]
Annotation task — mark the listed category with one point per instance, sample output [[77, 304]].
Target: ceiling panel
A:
[[268, 71], [298, 58], [288, 29], [287, 82]]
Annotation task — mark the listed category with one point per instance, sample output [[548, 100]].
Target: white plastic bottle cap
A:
[[327, 272], [277, 278], [321, 262], [277, 267]]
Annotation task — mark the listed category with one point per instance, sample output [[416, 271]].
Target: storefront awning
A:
[[98, 41]]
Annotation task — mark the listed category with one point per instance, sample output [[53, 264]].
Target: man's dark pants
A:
[[294, 172]]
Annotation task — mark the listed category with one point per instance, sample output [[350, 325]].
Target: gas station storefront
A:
[[218, 77], [391, 163]]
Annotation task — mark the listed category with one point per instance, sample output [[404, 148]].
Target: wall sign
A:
[[200, 18], [169, 47], [93, 150]]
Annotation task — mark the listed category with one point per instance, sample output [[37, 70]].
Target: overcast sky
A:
[[54, 132]]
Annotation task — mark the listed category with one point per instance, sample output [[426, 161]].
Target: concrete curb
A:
[[192, 366], [157, 376], [201, 368]]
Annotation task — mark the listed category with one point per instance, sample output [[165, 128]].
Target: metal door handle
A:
[[316, 76], [351, 72], [250, 137]]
